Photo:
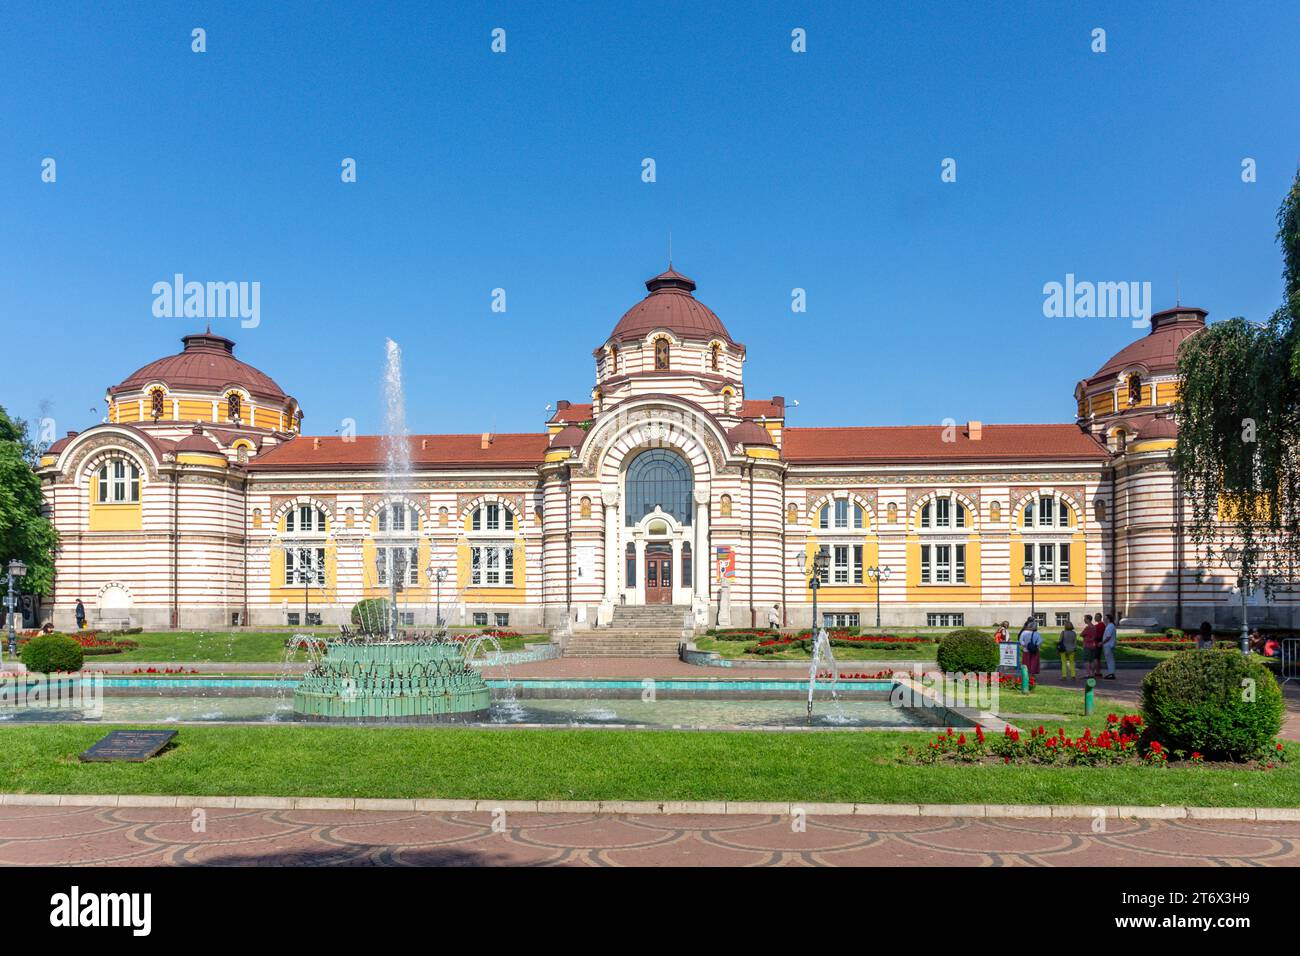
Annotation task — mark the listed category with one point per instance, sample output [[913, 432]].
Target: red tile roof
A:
[[763, 407], [571, 412], [307, 453], [910, 443]]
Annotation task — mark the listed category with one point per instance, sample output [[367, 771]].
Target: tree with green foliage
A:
[[15, 430], [25, 533], [1239, 427]]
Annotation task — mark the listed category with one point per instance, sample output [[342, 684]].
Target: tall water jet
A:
[[397, 464], [387, 677]]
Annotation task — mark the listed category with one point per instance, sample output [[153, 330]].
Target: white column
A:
[[700, 552], [639, 591], [611, 554]]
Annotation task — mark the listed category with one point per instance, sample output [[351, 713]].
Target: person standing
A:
[[1090, 644], [81, 615], [1066, 649], [1205, 637], [774, 618], [1030, 643], [1108, 638]]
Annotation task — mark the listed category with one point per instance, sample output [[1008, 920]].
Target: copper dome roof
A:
[[198, 442], [207, 363], [750, 433], [671, 305], [1157, 351]]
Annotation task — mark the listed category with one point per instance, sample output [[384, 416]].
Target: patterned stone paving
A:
[[146, 836]]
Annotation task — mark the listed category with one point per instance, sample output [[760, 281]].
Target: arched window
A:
[[584, 507], [662, 347], [442, 517], [492, 517], [727, 397], [1135, 389], [945, 512], [234, 407], [119, 482], [257, 517], [725, 506], [241, 454], [156, 400], [304, 519], [836, 514], [715, 356], [791, 514], [1045, 511], [686, 564], [892, 513], [1121, 439], [398, 516], [995, 512], [658, 478], [1099, 509]]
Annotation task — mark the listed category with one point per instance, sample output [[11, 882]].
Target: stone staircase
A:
[[650, 631]]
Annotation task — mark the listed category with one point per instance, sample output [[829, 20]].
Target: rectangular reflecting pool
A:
[[755, 710]]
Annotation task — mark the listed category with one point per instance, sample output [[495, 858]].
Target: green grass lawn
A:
[[236, 646], [596, 765]]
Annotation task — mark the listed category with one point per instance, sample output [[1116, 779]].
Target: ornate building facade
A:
[[199, 503]]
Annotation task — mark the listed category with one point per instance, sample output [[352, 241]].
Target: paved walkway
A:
[[129, 836]]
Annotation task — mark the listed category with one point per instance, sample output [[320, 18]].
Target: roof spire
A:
[[670, 250]]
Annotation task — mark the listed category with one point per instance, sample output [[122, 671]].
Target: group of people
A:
[[1258, 643], [1099, 636]]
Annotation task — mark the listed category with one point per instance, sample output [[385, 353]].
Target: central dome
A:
[[206, 364], [671, 305]]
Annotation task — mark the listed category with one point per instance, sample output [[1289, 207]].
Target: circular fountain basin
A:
[[391, 681]]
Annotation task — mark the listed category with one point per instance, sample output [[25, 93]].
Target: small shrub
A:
[[370, 614], [1217, 703], [968, 649], [52, 652]]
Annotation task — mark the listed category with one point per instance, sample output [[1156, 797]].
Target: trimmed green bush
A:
[[371, 614], [1224, 705], [968, 649], [52, 652]]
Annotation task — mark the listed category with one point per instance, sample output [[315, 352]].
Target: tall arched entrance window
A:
[[658, 478]]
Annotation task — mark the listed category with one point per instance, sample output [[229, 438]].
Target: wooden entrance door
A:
[[658, 574]]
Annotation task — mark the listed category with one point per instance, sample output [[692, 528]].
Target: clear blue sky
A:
[[775, 170]]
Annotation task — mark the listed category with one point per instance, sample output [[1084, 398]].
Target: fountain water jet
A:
[[378, 675]]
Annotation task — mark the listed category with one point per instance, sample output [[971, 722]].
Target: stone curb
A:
[[658, 808]]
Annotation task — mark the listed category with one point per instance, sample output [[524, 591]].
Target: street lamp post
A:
[[879, 574], [16, 570], [821, 561], [1233, 555], [1032, 575], [438, 575]]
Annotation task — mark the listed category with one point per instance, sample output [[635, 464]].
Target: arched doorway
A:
[[658, 489]]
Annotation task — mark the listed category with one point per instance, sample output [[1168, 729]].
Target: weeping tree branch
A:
[[1238, 414]]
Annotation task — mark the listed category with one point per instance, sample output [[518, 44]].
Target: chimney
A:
[[315, 444], [561, 404], [424, 444], [974, 430], [486, 440]]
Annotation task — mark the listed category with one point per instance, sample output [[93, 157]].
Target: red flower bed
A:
[[1121, 742]]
